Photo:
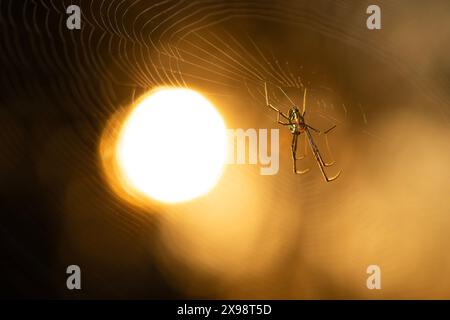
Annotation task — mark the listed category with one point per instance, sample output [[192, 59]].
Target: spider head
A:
[[294, 113]]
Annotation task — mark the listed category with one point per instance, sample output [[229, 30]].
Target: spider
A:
[[297, 126]]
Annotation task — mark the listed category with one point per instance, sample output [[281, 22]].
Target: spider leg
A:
[[281, 122], [295, 147], [329, 179], [305, 145], [265, 91], [334, 126], [328, 148], [319, 159], [329, 153], [325, 164], [315, 149], [294, 155], [279, 113], [304, 102], [314, 129]]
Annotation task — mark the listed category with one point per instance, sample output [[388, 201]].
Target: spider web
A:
[[135, 45], [140, 44]]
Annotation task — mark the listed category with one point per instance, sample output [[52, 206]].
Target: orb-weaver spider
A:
[[297, 125]]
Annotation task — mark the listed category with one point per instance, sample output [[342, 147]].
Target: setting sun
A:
[[172, 146]]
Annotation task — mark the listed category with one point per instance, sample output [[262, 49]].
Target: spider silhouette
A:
[[295, 120]]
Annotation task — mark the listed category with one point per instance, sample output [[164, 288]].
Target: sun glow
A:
[[172, 147]]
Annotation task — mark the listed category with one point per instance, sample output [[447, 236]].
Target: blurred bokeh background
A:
[[252, 236]]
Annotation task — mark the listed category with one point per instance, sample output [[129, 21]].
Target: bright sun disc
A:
[[172, 147]]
